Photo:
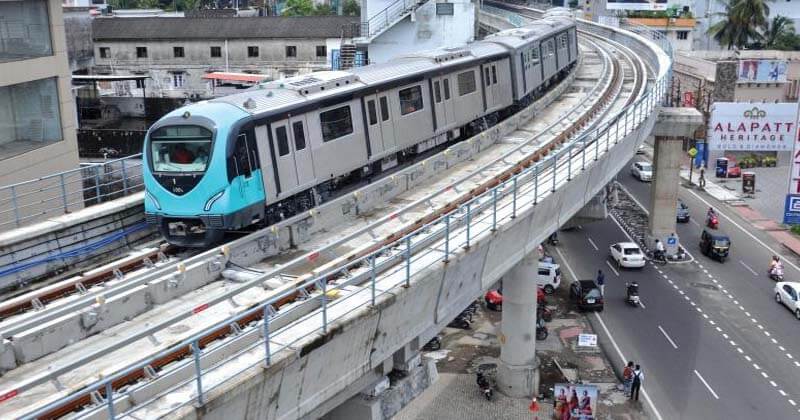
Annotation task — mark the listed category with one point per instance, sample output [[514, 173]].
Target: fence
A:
[[53, 195], [392, 266]]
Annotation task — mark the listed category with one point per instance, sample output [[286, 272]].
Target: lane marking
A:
[[748, 267], [780, 391], [675, 346], [609, 266], [695, 223], [591, 242], [792, 402], [774, 385], [764, 374], [642, 304], [611, 338], [748, 358], [756, 367], [704, 383]]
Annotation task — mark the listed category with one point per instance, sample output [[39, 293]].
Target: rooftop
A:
[[152, 28]]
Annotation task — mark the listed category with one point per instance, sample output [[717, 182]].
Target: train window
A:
[[299, 135], [384, 109], [283, 140], [241, 156], [487, 79], [446, 89], [180, 148], [550, 48], [373, 113], [336, 123], [410, 100], [437, 93], [466, 83], [535, 54], [494, 74]]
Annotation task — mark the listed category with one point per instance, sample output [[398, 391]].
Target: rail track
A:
[[466, 190]]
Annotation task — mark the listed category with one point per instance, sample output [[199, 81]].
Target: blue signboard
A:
[[791, 209], [672, 240]]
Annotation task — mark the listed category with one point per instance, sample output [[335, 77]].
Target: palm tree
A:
[[741, 23], [780, 34]]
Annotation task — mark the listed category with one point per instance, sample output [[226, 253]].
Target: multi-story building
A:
[[37, 114], [678, 30], [178, 52]]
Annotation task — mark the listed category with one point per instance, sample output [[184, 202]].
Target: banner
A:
[[636, 5], [577, 402], [762, 71], [757, 127]]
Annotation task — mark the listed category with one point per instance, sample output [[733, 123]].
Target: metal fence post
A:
[[197, 371], [446, 237], [110, 401], [63, 192], [372, 276], [583, 154], [324, 306], [97, 184], [469, 220], [15, 204], [555, 167], [494, 209], [408, 261], [536, 184], [514, 199], [124, 178], [267, 353], [569, 162]]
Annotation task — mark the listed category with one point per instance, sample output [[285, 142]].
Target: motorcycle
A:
[[776, 273], [433, 345], [544, 313], [658, 257], [632, 293], [485, 385], [541, 330], [712, 221], [462, 322], [553, 239]]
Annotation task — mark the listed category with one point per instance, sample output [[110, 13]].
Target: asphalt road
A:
[[711, 339]]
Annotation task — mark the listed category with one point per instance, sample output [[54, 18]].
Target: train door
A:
[[284, 159], [386, 122], [438, 104], [373, 125], [244, 162], [302, 151], [448, 101], [487, 87]]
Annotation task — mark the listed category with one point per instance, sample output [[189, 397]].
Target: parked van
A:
[[549, 277]]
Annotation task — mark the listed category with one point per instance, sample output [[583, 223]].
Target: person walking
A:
[[627, 378], [702, 177], [601, 282], [636, 383]]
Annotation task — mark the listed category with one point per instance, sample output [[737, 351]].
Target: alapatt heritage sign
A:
[[747, 126]]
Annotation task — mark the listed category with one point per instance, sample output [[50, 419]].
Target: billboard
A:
[[762, 71], [636, 5], [745, 126], [577, 402]]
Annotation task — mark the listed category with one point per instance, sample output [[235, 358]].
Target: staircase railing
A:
[[381, 20]]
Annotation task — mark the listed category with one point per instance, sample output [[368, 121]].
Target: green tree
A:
[[123, 4], [323, 9], [298, 8], [742, 23], [780, 35], [351, 8], [148, 4]]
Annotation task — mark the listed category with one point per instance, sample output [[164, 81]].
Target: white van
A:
[[549, 277]]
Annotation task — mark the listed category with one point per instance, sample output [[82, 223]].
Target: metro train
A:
[[257, 157]]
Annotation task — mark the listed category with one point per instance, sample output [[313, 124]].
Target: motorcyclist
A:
[[775, 264], [710, 214], [482, 381], [659, 252], [632, 289]]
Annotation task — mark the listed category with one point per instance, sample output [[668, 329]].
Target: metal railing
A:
[[381, 20], [53, 195], [387, 269]]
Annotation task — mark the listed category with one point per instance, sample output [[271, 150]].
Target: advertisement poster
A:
[[636, 4], [575, 402], [752, 127], [762, 71]]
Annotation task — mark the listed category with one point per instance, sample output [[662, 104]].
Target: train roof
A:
[[286, 94], [517, 37]]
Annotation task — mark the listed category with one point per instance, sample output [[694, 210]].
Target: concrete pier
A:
[[518, 373], [673, 127]]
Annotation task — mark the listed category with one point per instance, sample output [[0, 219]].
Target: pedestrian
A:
[[702, 177], [601, 282], [627, 378], [636, 384]]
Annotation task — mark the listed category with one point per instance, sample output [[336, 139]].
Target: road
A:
[[711, 339]]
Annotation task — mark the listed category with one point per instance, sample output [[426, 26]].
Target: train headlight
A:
[[212, 200], [153, 200]]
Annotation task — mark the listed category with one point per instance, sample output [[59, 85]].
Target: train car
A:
[[260, 156]]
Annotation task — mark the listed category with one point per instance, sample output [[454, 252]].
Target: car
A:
[[788, 293], [494, 298], [586, 295], [549, 277], [643, 171], [627, 254], [715, 244], [682, 216], [640, 150]]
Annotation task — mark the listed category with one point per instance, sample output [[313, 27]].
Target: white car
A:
[[627, 254], [643, 171], [788, 293]]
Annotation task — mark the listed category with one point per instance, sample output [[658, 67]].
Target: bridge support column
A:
[[595, 210], [518, 372], [673, 127]]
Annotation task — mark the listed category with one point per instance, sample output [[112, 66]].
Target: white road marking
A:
[[591, 242], [780, 391], [764, 374], [695, 223], [611, 267], [792, 402], [611, 338], [747, 313], [725, 336], [704, 383], [719, 329], [748, 358], [781, 348], [748, 267], [739, 349], [733, 343], [712, 322], [642, 304], [773, 384], [756, 367], [736, 302], [675, 346]]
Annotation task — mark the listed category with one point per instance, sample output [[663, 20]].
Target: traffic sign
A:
[[692, 152], [672, 240]]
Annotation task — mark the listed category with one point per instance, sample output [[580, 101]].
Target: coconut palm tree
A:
[[780, 34], [741, 24]]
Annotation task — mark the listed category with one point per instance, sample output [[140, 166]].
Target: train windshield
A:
[[180, 148]]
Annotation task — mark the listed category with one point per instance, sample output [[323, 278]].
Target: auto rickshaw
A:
[[715, 244]]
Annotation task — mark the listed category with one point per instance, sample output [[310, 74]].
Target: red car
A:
[[494, 300]]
